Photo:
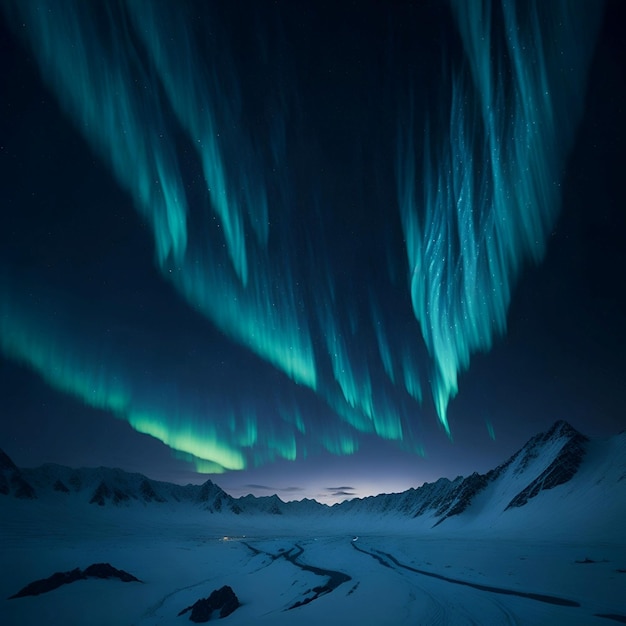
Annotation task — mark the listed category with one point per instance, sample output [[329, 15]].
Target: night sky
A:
[[322, 249]]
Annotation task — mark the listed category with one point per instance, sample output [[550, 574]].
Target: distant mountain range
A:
[[548, 460]]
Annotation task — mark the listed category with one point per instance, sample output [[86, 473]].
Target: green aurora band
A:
[[74, 354], [489, 183], [224, 238], [131, 130]]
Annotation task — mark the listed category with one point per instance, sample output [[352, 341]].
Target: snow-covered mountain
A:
[[561, 457], [547, 460], [104, 486]]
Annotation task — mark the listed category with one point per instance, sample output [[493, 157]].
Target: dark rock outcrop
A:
[[22, 489], [561, 469], [101, 494], [148, 493], [213, 498], [120, 496], [44, 585], [11, 480], [6, 463], [97, 570], [223, 600], [106, 570], [59, 485], [462, 497]]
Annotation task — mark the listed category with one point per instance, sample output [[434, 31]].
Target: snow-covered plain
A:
[[558, 559], [182, 556]]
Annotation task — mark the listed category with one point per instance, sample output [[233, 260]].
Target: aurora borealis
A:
[[274, 233], [491, 179]]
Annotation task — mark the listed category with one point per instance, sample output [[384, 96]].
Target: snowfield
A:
[[181, 557], [455, 552]]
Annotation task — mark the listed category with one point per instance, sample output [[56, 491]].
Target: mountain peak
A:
[[562, 428], [559, 430], [565, 459]]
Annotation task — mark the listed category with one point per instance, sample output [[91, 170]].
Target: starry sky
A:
[[323, 250]]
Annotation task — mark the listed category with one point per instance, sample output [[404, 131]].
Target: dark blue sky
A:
[[234, 238]]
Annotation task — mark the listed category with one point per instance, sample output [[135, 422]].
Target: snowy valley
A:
[[538, 540]]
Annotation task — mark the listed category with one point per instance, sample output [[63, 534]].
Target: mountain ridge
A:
[[547, 460]]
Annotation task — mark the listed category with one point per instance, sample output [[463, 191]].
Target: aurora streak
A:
[[491, 176], [239, 228]]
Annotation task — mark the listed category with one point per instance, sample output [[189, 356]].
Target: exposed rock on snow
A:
[[97, 570], [101, 494], [6, 463], [12, 481], [564, 465], [148, 493], [223, 600], [59, 485], [22, 489]]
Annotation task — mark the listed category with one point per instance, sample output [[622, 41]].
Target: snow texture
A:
[[538, 540]]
